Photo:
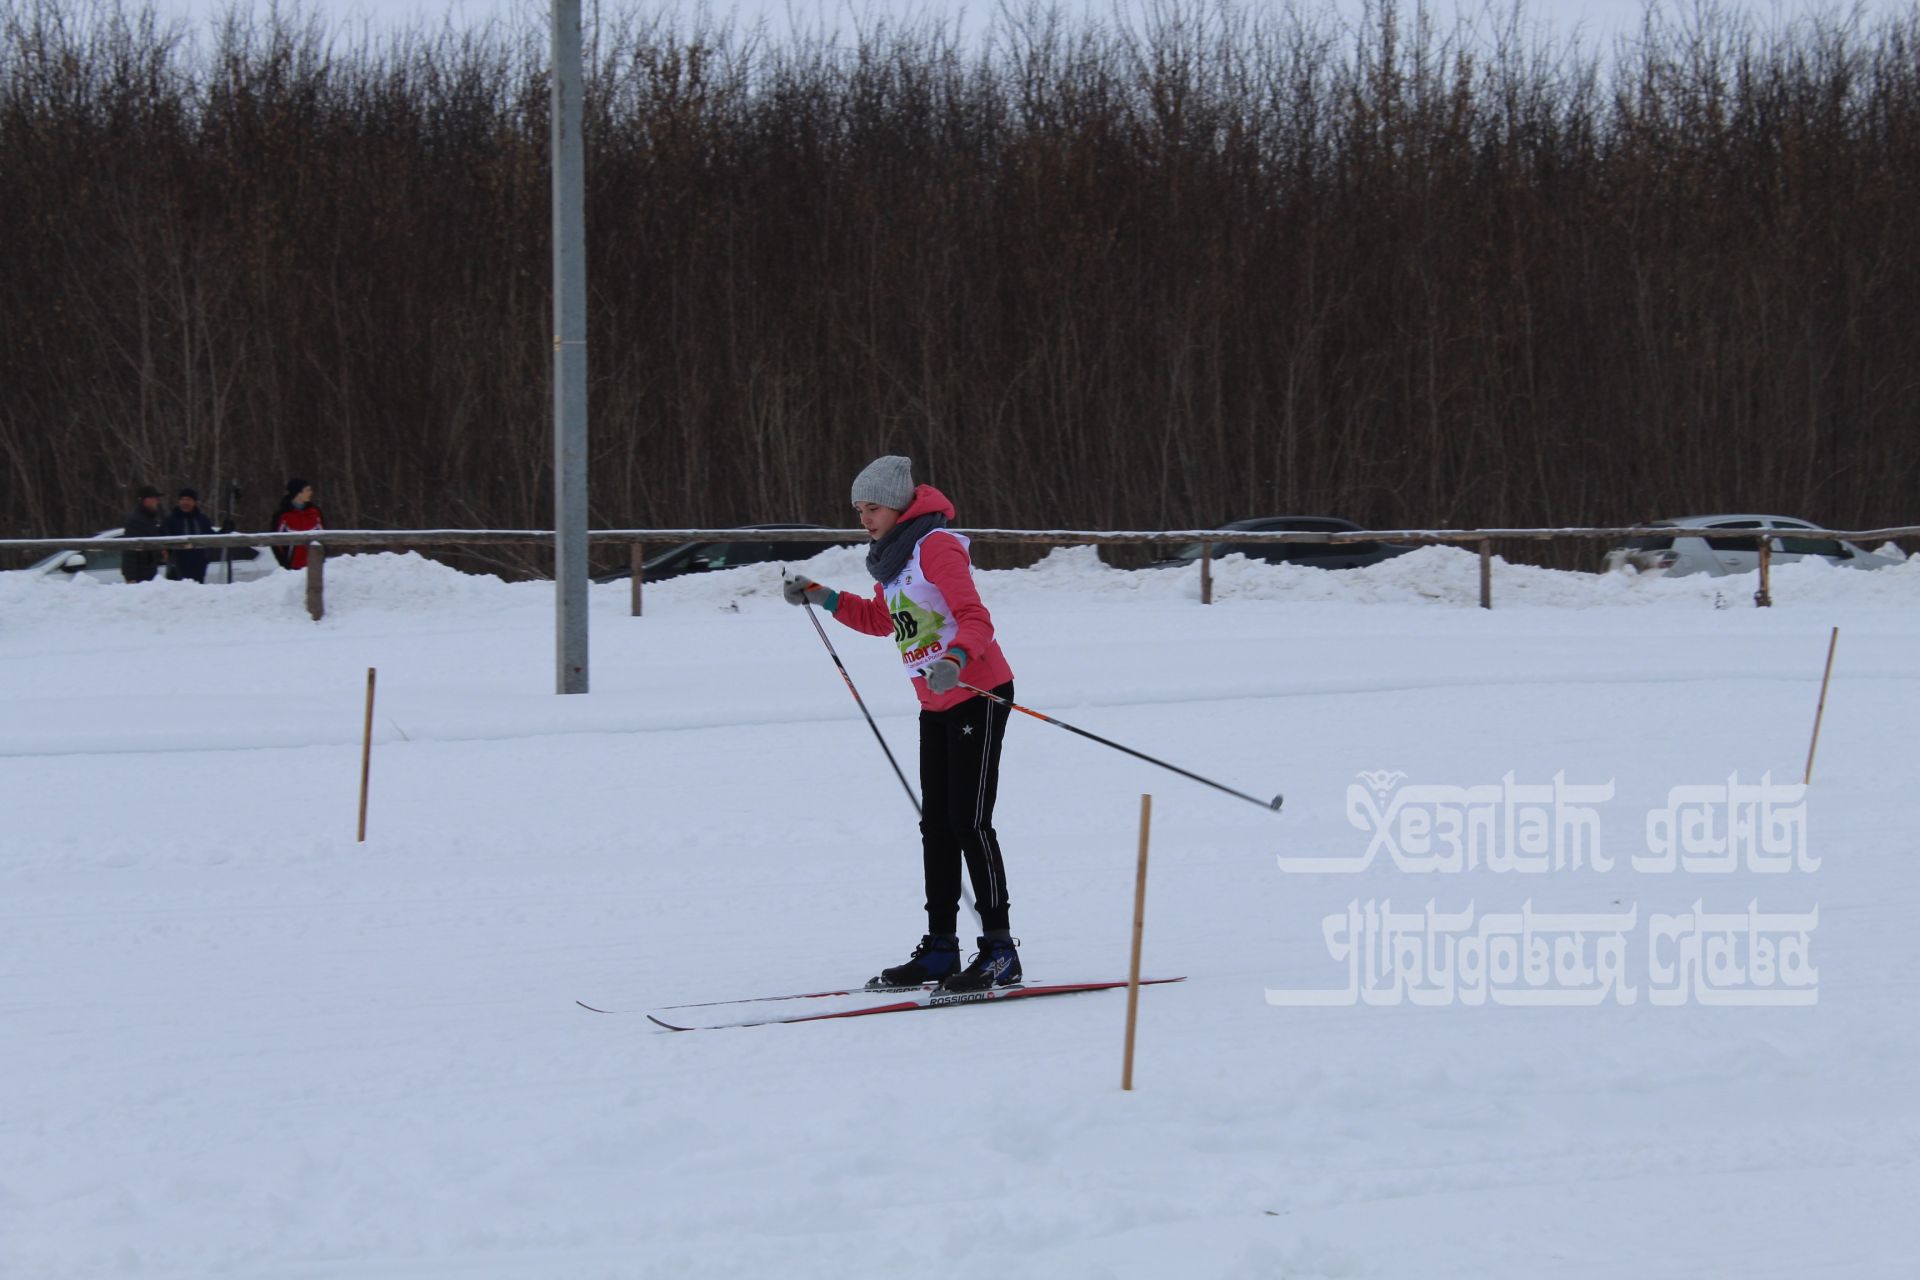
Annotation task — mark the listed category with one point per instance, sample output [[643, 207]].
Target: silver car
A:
[[1718, 557], [98, 558]]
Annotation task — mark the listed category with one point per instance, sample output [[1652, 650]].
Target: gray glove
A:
[[807, 591], [944, 675]]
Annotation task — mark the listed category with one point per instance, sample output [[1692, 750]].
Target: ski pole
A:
[[966, 891], [861, 703], [233, 503], [1272, 805]]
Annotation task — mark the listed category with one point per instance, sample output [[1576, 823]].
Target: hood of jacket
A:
[[927, 501]]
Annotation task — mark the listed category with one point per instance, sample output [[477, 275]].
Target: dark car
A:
[[705, 557], [1321, 555]]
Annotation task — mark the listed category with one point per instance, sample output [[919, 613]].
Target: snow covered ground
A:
[[236, 1042]]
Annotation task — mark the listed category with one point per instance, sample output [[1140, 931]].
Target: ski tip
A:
[[589, 1008], [668, 1025]]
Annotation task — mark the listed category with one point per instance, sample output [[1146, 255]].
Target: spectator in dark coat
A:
[[187, 519], [138, 564]]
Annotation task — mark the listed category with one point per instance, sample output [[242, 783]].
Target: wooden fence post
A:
[[636, 556], [1763, 598], [316, 581], [366, 759], [1486, 573], [1139, 926], [1206, 573], [1833, 642]]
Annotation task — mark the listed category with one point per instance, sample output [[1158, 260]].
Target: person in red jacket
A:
[[925, 599], [297, 514]]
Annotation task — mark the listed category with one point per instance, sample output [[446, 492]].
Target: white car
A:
[[103, 562], [1718, 557]]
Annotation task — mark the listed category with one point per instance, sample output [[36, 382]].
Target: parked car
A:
[[1676, 556], [103, 562], [1320, 555], [705, 557]]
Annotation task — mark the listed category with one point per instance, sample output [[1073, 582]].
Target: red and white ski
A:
[[860, 1004], [890, 992]]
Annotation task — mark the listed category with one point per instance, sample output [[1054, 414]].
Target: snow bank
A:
[[239, 1042], [408, 585]]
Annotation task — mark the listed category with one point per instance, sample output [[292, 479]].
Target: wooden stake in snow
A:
[[316, 581], [366, 757], [1139, 922], [1833, 642]]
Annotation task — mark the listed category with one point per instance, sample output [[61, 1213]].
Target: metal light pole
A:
[[569, 352]]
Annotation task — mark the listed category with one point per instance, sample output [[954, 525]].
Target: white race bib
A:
[[923, 623]]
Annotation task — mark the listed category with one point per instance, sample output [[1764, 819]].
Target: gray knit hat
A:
[[887, 481]]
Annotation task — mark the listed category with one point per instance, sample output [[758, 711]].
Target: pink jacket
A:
[[946, 565]]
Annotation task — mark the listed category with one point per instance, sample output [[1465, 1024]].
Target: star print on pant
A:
[[959, 780]]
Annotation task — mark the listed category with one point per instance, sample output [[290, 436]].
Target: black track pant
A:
[[959, 777]]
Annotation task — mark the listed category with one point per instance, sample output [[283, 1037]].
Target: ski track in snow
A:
[[237, 1042]]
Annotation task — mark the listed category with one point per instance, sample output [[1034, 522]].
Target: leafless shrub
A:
[[1185, 262]]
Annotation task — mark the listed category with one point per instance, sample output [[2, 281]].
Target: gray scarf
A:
[[887, 557]]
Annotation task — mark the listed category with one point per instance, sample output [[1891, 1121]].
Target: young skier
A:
[[925, 599]]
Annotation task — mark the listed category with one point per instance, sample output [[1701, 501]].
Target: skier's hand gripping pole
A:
[[1272, 805]]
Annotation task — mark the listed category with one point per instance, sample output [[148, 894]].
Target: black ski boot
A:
[[996, 965], [937, 956]]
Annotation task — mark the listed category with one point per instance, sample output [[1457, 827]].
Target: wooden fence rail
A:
[[1480, 539]]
